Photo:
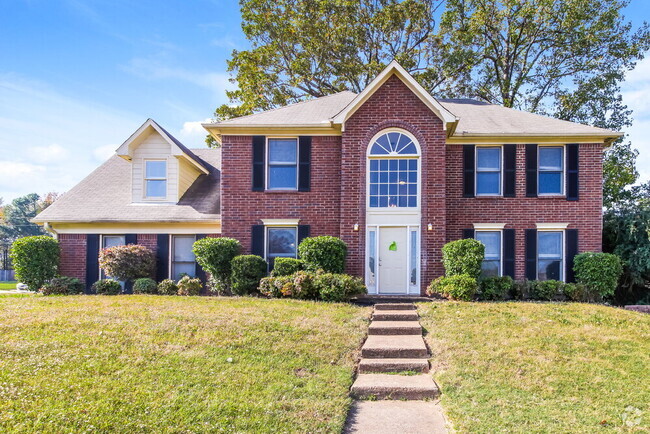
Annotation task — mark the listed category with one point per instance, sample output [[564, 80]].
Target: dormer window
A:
[[155, 179]]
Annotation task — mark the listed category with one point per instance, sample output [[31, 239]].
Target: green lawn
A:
[[161, 364], [7, 285], [540, 367]]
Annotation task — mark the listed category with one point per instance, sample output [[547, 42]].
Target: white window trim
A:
[[489, 226], [101, 274], [552, 228], [266, 239], [476, 171], [492, 229], [267, 165], [563, 182], [418, 157], [145, 179], [280, 222]]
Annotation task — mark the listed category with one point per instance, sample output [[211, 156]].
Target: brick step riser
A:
[[409, 395], [393, 368], [395, 332], [394, 306], [379, 353], [379, 316]]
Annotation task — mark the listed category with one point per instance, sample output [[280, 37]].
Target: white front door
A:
[[393, 260]]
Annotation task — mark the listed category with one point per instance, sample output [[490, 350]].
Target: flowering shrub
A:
[[189, 286], [167, 287], [127, 262], [35, 260]]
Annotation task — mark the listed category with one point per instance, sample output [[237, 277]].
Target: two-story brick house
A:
[[392, 171]]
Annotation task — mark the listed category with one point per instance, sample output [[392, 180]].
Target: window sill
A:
[[289, 190], [551, 196]]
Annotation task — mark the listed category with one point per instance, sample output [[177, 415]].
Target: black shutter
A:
[[468, 170], [257, 240], [198, 270], [130, 239], [531, 254], [509, 170], [509, 252], [572, 177], [304, 166], [468, 233], [92, 260], [531, 170], [571, 249], [303, 232], [162, 257], [259, 162]]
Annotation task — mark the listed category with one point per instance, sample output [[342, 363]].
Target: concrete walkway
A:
[[394, 390]]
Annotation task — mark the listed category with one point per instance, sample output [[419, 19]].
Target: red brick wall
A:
[[73, 255], [523, 212], [394, 105], [242, 208], [148, 240]]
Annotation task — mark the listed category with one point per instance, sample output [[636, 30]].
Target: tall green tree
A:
[[18, 215]]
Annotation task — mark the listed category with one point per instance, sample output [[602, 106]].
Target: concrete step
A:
[[368, 366], [390, 417], [401, 346], [395, 328], [394, 306], [387, 386], [395, 315]]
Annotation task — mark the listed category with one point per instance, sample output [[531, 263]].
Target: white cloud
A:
[[636, 95], [193, 134], [103, 153], [48, 154]]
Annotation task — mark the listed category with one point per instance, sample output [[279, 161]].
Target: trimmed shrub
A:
[[276, 287], [287, 266], [145, 285], [545, 289], [495, 288], [324, 252], [63, 285], [215, 256], [458, 287], [35, 260], [579, 292], [599, 272], [338, 287], [126, 263], [107, 287], [463, 257], [521, 289], [167, 287], [304, 287], [189, 286], [247, 271]]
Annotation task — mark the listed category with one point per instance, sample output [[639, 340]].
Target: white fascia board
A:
[[489, 226]]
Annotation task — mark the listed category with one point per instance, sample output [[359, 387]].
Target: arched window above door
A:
[[393, 143]]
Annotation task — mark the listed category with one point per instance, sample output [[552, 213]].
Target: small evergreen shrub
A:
[[521, 289], [463, 257], [338, 287], [545, 289], [63, 286], [145, 285], [35, 260], [189, 286], [599, 272], [217, 287], [458, 287], [107, 287], [287, 266], [304, 287], [215, 256], [167, 287], [127, 262], [495, 288], [579, 292], [276, 287], [324, 252], [247, 271]]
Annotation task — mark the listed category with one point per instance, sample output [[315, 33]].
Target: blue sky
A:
[[78, 77]]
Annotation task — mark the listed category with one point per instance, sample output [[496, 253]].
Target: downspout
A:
[[51, 230]]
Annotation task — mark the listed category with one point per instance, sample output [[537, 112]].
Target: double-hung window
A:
[[550, 255], [551, 170], [155, 179], [282, 164], [112, 241], [491, 265], [488, 170], [281, 242], [183, 260]]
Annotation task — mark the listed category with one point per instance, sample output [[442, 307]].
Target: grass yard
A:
[[540, 367], [7, 285], [161, 364]]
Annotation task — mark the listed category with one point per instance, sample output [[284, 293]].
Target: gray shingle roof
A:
[[105, 196]]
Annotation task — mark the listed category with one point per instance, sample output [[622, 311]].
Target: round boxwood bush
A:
[[247, 271], [495, 288], [324, 253], [167, 287], [63, 285], [107, 287], [458, 287], [145, 285], [215, 255], [463, 257], [189, 286], [599, 272], [545, 289], [287, 266], [126, 263], [35, 260]]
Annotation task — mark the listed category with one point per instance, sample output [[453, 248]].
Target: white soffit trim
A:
[[445, 115], [551, 226], [487, 226], [280, 222]]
